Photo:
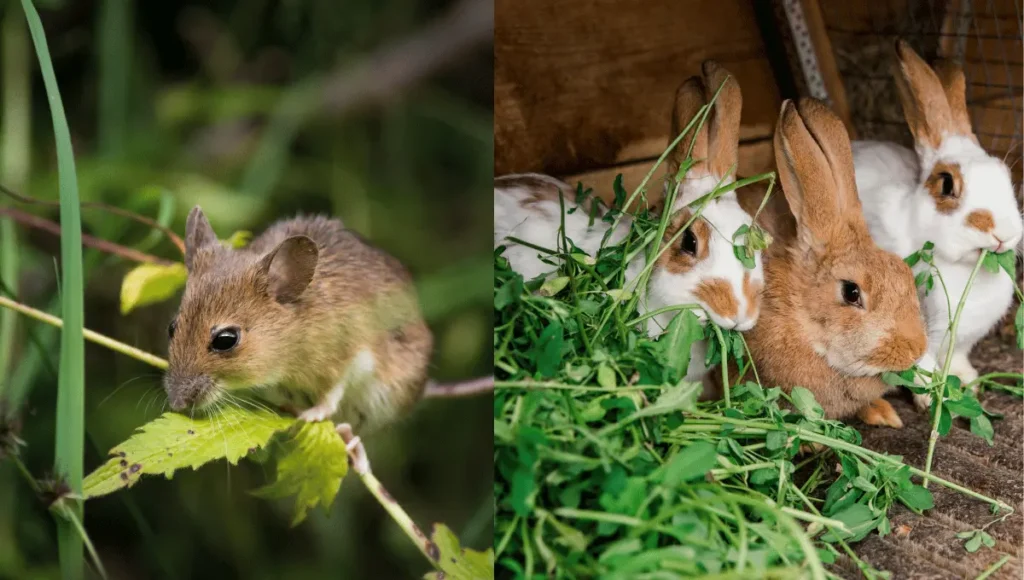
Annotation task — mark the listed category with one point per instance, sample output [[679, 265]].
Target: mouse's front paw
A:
[[320, 412], [354, 446]]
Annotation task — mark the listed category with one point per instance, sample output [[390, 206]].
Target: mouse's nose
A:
[[184, 392]]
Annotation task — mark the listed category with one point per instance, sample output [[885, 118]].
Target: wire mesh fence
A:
[[984, 36]]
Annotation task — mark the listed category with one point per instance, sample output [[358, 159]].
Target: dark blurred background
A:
[[376, 111]]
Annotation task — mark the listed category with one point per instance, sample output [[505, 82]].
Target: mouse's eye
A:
[[225, 339], [171, 328]]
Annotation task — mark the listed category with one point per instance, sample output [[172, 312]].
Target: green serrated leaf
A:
[[805, 403], [173, 441], [151, 283], [917, 497], [456, 562], [858, 519], [311, 465], [945, 421]]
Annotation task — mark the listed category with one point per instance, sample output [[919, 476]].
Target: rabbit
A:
[[949, 191], [837, 309], [701, 268]]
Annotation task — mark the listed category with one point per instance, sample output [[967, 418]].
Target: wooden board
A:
[[586, 84], [754, 158]]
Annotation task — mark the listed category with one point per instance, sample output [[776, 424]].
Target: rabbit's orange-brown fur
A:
[[807, 334]]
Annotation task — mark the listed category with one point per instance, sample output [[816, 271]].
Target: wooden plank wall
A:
[[584, 88]]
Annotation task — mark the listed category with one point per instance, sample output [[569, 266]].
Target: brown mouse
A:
[[308, 310]]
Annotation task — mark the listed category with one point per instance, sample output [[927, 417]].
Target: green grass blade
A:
[[15, 144], [70, 434]]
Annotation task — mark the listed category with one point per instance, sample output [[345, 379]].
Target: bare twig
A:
[[175, 239], [44, 224], [460, 389]]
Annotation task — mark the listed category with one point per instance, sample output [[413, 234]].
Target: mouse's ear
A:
[[198, 234], [288, 269]]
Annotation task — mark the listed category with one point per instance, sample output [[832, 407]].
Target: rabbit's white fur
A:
[[538, 223], [902, 216]]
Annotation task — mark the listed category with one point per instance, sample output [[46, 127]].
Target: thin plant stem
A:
[[90, 335], [426, 547], [993, 568], [933, 437]]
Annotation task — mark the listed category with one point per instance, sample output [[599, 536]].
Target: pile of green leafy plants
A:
[[607, 465]]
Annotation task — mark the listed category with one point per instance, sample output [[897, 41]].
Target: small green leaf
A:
[[605, 376], [966, 407], [619, 294], [311, 466], [682, 332], [1008, 262], [858, 519], [921, 277], [151, 283], [913, 259], [982, 427], [972, 545], [239, 239], [990, 262], [548, 351], [456, 562], [620, 193], [775, 440], [172, 441], [917, 497], [945, 421], [553, 286], [884, 527], [804, 402], [510, 292], [690, 463]]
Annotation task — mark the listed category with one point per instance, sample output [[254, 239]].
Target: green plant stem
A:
[[69, 514], [426, 547], [992, 569], [933, 437], [91, 336], [711, 423]]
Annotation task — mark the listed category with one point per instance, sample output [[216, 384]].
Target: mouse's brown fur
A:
[[319, 312]]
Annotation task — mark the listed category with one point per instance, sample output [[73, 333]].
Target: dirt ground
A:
[[930, 549]]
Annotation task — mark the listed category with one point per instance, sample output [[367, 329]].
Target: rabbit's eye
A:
[[225, 339], [851, 294], [689, 243], [947, 184], [171, 328]]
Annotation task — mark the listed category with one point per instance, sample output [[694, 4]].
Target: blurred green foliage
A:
[[168, 104]]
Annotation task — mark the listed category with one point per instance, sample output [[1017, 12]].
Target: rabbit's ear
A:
[[724, 121], [812, 151], [951, 75], [921, 93], [690, 98]]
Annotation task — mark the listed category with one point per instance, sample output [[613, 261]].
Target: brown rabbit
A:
[[837, 310]]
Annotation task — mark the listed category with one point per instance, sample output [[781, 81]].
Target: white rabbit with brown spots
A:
[[950, 192], [701, 267]]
